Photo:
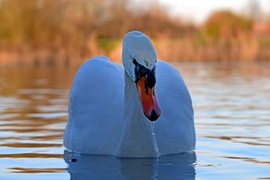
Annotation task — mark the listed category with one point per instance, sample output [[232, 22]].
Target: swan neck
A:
[[137, 138]]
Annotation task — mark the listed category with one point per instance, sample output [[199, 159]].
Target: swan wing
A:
[[95, 108], [175, 130]]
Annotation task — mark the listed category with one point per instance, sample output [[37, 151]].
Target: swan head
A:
[[139, 60]]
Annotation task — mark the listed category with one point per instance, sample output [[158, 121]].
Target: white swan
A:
[[112, 109]]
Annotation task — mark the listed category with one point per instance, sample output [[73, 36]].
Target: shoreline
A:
[[183, 50]]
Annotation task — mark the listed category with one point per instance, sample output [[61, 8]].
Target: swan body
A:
[[109, 116]]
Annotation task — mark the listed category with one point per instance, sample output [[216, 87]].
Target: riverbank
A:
[[167, 49]]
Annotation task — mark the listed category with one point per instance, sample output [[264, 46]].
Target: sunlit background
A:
[[221, 48], [66, 33]]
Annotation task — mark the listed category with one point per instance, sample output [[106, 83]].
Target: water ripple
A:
[[232, 118]]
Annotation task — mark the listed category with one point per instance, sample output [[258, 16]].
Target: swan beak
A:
[[148, 99]]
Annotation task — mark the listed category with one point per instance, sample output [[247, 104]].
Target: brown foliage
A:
[[59, 23], [65, 32], [44, 30], [226, 24]]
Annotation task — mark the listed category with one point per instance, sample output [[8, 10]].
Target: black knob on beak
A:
[[150, 79]]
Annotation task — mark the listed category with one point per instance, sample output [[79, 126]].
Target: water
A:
[[232, 115], [153, 128]]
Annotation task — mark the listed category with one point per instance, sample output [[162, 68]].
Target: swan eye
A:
[[150, 79], [141, 71]]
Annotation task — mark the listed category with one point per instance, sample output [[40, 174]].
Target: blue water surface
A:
[[232, 117]]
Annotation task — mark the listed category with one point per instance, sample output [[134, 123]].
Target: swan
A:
[[142, 109]]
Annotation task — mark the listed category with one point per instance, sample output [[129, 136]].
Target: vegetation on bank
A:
[[49, 32]]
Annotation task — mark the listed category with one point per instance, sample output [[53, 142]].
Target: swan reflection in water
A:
[[178, 166]]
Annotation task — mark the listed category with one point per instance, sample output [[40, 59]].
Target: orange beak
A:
[[148, 100]]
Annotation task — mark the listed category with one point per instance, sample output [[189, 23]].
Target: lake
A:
[[232, 118]]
